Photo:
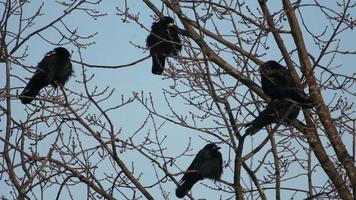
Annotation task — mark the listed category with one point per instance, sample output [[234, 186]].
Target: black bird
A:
[[275, 112], [278, 84], [206, 164], [164, 29], [55, 68]]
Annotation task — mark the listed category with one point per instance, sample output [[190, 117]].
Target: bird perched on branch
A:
[[278, 84], [163, 41], [55, 69], [277, 111], [206, 164]]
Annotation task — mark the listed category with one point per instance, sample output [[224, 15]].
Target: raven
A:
[[278, 84], [206, 164], [55, 68], [276, 111], [163, 41]]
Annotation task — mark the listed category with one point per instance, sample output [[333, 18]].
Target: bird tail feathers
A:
[[158, 62], [31, 91], [183, 189]]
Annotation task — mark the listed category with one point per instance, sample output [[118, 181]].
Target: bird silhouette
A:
[[278, 84], [277, 111], [206, 164], [55, 68], [163, 41]]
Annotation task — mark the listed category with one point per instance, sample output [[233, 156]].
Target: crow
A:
[[277, 111], [162, 42], [206, 164], [55, 68], [278, 84]]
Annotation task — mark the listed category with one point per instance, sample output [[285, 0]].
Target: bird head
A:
[[62, 51], [269, 67], [167, 22], [212, 147]]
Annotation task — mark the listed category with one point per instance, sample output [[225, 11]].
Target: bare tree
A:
[[71, 142]]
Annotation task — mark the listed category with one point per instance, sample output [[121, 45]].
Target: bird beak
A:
[[217, 148], [170, 25]]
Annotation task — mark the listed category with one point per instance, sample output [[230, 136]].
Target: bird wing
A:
[[196, 164], [49, 65], [282, 107], [68, 69], [151, 40], [156, 30], [280, 84], [175, 38], [44, 67], [198, 160], [282, 77], [285, 84], [212, 165], [37, 81], [66, 73]]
